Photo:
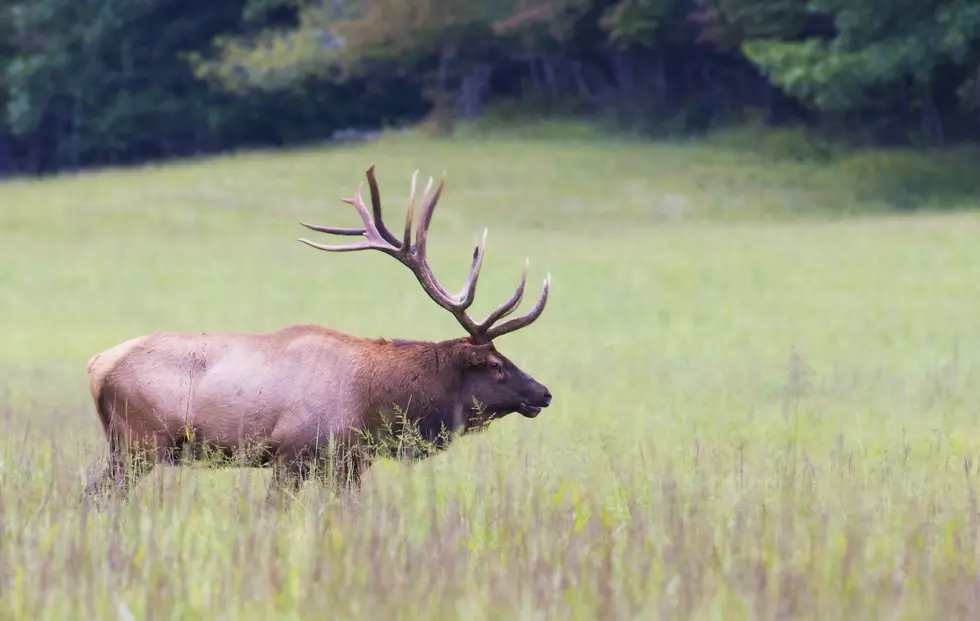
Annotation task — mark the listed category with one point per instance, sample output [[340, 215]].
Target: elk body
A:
[[307, 395]]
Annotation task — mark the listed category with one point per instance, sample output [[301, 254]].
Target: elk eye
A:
[[494, 365]]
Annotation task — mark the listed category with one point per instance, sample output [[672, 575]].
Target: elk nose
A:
[[547, 397]]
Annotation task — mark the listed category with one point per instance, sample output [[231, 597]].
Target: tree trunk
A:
[[442, 118], [6, 160], [770, 115], [473, 90], [549, 75], [976, 93], [581, 84], [932, 123]]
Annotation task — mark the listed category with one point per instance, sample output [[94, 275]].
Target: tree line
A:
[[91, 82]]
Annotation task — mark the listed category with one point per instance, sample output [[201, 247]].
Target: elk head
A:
[[498, 384], [484, 375]]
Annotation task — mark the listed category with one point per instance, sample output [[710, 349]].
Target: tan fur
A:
[[286, 392]]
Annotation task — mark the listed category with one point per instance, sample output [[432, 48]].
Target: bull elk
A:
[[308, 395]]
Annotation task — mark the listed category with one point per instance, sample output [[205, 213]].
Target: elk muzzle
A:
[[538, 397]]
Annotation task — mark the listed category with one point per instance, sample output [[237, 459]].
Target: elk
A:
[[307, 395]]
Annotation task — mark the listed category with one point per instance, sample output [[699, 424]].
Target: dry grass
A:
[[751, 420]]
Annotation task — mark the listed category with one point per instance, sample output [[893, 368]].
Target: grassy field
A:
[[763, 409]]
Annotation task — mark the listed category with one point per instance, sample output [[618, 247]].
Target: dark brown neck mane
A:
[[424, 379]]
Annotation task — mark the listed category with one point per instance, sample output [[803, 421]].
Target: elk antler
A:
[[378, 237]]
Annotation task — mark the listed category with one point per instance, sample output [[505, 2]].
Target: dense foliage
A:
[[104, 81]]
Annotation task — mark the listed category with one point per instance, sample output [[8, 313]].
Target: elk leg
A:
[[286, 476], [99, 482], [136, 467], [113, 474], [339, 468], [349, 471], [120, 474], [343, 468]]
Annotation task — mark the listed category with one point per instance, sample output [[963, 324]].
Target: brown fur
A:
[[284, 395]]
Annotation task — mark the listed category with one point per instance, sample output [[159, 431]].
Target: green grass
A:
[[757, 415]]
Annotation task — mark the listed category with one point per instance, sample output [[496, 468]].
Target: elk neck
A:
[[422, 377]]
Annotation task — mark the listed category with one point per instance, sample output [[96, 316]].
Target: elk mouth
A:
[[528, 411]]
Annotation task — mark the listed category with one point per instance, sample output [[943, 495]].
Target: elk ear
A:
[[475, 355]]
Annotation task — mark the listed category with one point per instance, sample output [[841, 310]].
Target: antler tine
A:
[[333, 229], [466, 295], [455, 304], [370, 231], [428, 208], [510, 305], [362, 211], [351, 247], [527, 318], [421, 263], [407, 242], [376, 208]]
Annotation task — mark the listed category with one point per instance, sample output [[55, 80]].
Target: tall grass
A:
[[752, 420]]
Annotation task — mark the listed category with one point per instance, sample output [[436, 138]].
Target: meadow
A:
[[765, 374]]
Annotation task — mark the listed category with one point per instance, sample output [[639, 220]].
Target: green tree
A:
[[442, 42], [647, 22], [729, 23], [879, 45], [107, 71]]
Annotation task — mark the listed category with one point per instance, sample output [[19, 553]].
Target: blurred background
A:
[[94, 82]]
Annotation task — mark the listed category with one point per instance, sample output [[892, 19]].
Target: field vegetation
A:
[[764, 355]]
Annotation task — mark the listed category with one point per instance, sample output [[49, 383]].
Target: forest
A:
[[110, 82]]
